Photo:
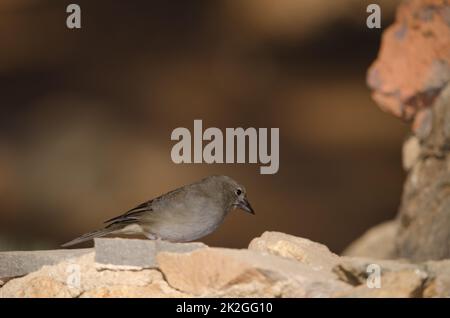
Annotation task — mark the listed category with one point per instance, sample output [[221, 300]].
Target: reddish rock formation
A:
[[413, 64], [410, 79]]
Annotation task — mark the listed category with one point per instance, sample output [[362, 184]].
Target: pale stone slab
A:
[[19, 263], [135, 254]]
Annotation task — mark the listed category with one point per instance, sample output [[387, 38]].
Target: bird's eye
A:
[[238, 191]]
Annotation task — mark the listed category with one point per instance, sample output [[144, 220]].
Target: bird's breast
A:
[[184, 221]]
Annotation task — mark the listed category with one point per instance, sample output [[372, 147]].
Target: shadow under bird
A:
[[185, 214]]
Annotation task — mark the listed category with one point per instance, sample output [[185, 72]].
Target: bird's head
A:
[[235, 193]]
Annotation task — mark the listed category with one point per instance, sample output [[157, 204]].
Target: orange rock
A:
[[413, 64]]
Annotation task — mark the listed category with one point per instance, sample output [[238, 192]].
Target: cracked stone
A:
[[80, 278], [216, 272], [273, 270]]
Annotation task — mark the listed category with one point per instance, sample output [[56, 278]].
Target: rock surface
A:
[[245, 273], [14, 264], [316, 255], [136, 254], [439, 280], [410, 79], [80, 278], [275, 265], [413, 63], [403, 284], [424, 217], [377, 242]]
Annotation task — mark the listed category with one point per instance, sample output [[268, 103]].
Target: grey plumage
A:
[[184, 214]]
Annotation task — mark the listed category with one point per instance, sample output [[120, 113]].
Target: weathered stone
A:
[[14, 264], [80, 278], [117, 253], [245, 273], [438, 284], [299, 268], [424, 217], [354, 270], [378, 242], [397, 278], [413, 63], [43, 287], [410, 79], [410, 152], [122, 291], [316, 255], [399, 284]]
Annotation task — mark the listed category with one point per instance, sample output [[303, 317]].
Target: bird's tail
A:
[[91, 235]]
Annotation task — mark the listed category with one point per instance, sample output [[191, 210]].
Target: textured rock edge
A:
[[274, 265]]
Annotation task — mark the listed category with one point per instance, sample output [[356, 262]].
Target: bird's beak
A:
[[245, 205]]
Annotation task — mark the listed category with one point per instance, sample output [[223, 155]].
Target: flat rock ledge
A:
[[274, 265]]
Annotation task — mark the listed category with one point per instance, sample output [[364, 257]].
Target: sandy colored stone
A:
[[439, 283], [377, 242], [354, 270], [398, 284], [410, 152], [80, 278], [121, 291], [245, 273], [40, 287], [437, 288], [317, 255], [300, 268]]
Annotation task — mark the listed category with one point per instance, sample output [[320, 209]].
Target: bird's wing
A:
[[135, 213]]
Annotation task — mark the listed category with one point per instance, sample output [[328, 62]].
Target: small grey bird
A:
[[182, 215]]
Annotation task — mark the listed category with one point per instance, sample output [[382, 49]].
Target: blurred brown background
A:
[[86, 115]]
